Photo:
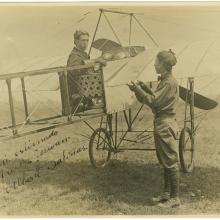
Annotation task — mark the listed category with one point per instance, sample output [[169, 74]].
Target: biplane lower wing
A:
[[200, 101]]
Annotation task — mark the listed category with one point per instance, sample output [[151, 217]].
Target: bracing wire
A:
[[181, 78], [162, 20]]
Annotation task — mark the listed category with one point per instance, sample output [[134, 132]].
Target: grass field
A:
[[124, 187]]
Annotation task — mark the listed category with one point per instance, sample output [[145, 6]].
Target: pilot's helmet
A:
[[168, 58]]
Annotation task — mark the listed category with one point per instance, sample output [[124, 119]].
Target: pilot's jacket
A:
[[76, 57], [163, 103]]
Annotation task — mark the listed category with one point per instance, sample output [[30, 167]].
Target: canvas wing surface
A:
[[116, 76]]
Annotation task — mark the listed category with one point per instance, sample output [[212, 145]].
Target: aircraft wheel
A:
[[100, 148], [186, 150]]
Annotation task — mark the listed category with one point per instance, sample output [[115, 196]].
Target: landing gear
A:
[[100, 147], [187, 135], [186, 150]]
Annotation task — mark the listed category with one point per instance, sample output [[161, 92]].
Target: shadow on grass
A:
[[120, 181]]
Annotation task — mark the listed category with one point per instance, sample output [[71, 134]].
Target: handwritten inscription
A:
[[30, 145], [18, 172], [22, 180], [66, 156], [57, 143], [6, 164]]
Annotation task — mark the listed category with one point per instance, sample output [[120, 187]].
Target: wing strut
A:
[[131, 15]]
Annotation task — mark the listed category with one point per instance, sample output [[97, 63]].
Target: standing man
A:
[[163, 103], [77, 57]]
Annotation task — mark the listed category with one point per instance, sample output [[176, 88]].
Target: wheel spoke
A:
[[186, 149], [99, 150]]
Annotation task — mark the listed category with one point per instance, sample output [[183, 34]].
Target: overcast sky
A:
[[48, 30]]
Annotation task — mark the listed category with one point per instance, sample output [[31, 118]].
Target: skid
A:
[[43, 125]]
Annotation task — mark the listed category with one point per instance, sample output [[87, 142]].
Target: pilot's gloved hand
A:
[[145, 87], [140, 83], [139, 93], [131, 87], [139, 96], [101, 61]]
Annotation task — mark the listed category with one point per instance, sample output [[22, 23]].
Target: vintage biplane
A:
[[107, 87]]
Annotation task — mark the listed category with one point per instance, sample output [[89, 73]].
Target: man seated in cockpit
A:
[[77, 57]]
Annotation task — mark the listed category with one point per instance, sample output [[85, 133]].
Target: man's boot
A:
[[174, 200], [165, 196]]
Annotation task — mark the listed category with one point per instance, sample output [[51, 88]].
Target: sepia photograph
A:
[[110, 109]]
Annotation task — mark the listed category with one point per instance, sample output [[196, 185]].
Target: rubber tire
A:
[[92, 138], [185, 167]]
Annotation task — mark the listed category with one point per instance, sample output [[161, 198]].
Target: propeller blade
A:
[[200, 101]]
